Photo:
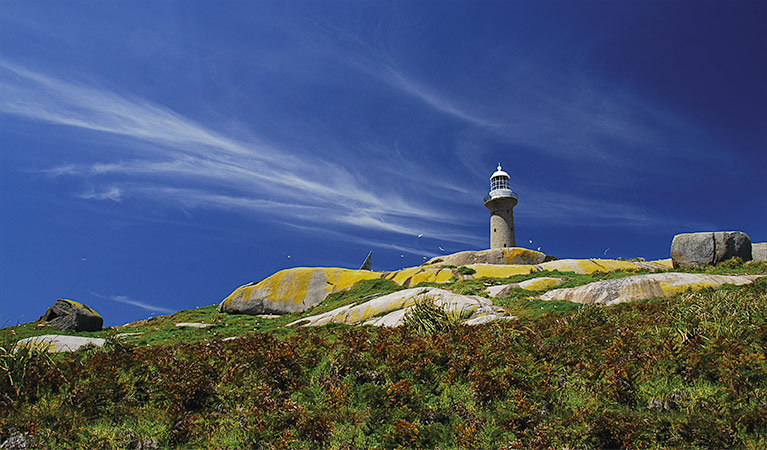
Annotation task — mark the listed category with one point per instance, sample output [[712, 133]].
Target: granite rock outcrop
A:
[[512, 255], [55, 343], [301, 288], [698, 249], [292, 290], [69, 315], [759, 251], [389, 310], [644, 287]]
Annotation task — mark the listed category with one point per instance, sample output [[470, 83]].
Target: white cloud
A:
[[137, 303], [181, 151], [113, 193]]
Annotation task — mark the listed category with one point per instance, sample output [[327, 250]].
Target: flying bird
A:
[[83, 259], [608, 249], [539, 249], [530, 241], [420, 235], [442, 249]]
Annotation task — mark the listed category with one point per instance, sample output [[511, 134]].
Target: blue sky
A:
[[156, 155]]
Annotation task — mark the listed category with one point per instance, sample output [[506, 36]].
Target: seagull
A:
[[401, 256], [288, 256], [420, 235], [530, 241], [539, 249], [83, 259], [608, 249], [442, 249]]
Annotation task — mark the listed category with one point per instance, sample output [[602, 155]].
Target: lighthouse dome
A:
[[499, 173]]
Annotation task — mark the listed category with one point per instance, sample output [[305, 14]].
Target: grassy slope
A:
[[686, 372]]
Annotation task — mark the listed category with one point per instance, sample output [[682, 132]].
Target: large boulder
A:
[[512, 255], [292, 290], [759, 251], [697, 249], [72, 316], [389, 310], [55, 343], [643, 287]]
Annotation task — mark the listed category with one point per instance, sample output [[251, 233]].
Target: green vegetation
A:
[[463, 270], [426, 317], [682, 372]]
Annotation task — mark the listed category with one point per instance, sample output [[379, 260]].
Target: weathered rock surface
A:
[[759, 251], [193, 325], [300, 288], [292, 290], [411, 276], [534, 284], [58, 343], [479, 320], [603, 265], [643, 287], [697, 249], [71, 315], [389, 310], [512, 255]]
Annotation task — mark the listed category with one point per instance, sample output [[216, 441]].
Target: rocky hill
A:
[[524, 351]]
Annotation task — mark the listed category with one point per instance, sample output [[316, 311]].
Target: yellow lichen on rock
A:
[[411, 276], [292, 290], [512, 255], [587, 265], [501, 271], [80, 305], [644, 287], [517, 255], [390, 309], [300, 288], [537, 284]]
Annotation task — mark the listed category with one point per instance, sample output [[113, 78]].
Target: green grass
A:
[[682, 372], [162, 330]]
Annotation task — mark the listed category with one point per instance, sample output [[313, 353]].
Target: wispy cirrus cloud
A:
[[559, 110], [124, 299], [113, 193], [184, 152]]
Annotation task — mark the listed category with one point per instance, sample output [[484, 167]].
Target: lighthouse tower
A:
[[501, 202]]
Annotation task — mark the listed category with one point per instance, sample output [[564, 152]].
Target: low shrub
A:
[[463, 270], [426, 317]]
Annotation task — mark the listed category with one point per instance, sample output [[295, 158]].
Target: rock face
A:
[[512, 255], [389, 310], [643, 287], [697, 249], [56, 343], [298, 289], [71, 315], [292, 290], [759, 251], [583, 266], [533, 284]]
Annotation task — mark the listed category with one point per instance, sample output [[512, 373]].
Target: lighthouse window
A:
[[493, 230], [499, 183]]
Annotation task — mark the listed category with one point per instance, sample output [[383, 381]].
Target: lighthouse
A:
[[501, 202]]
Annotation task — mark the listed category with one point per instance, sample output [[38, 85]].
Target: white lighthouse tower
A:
[[501, 202]]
